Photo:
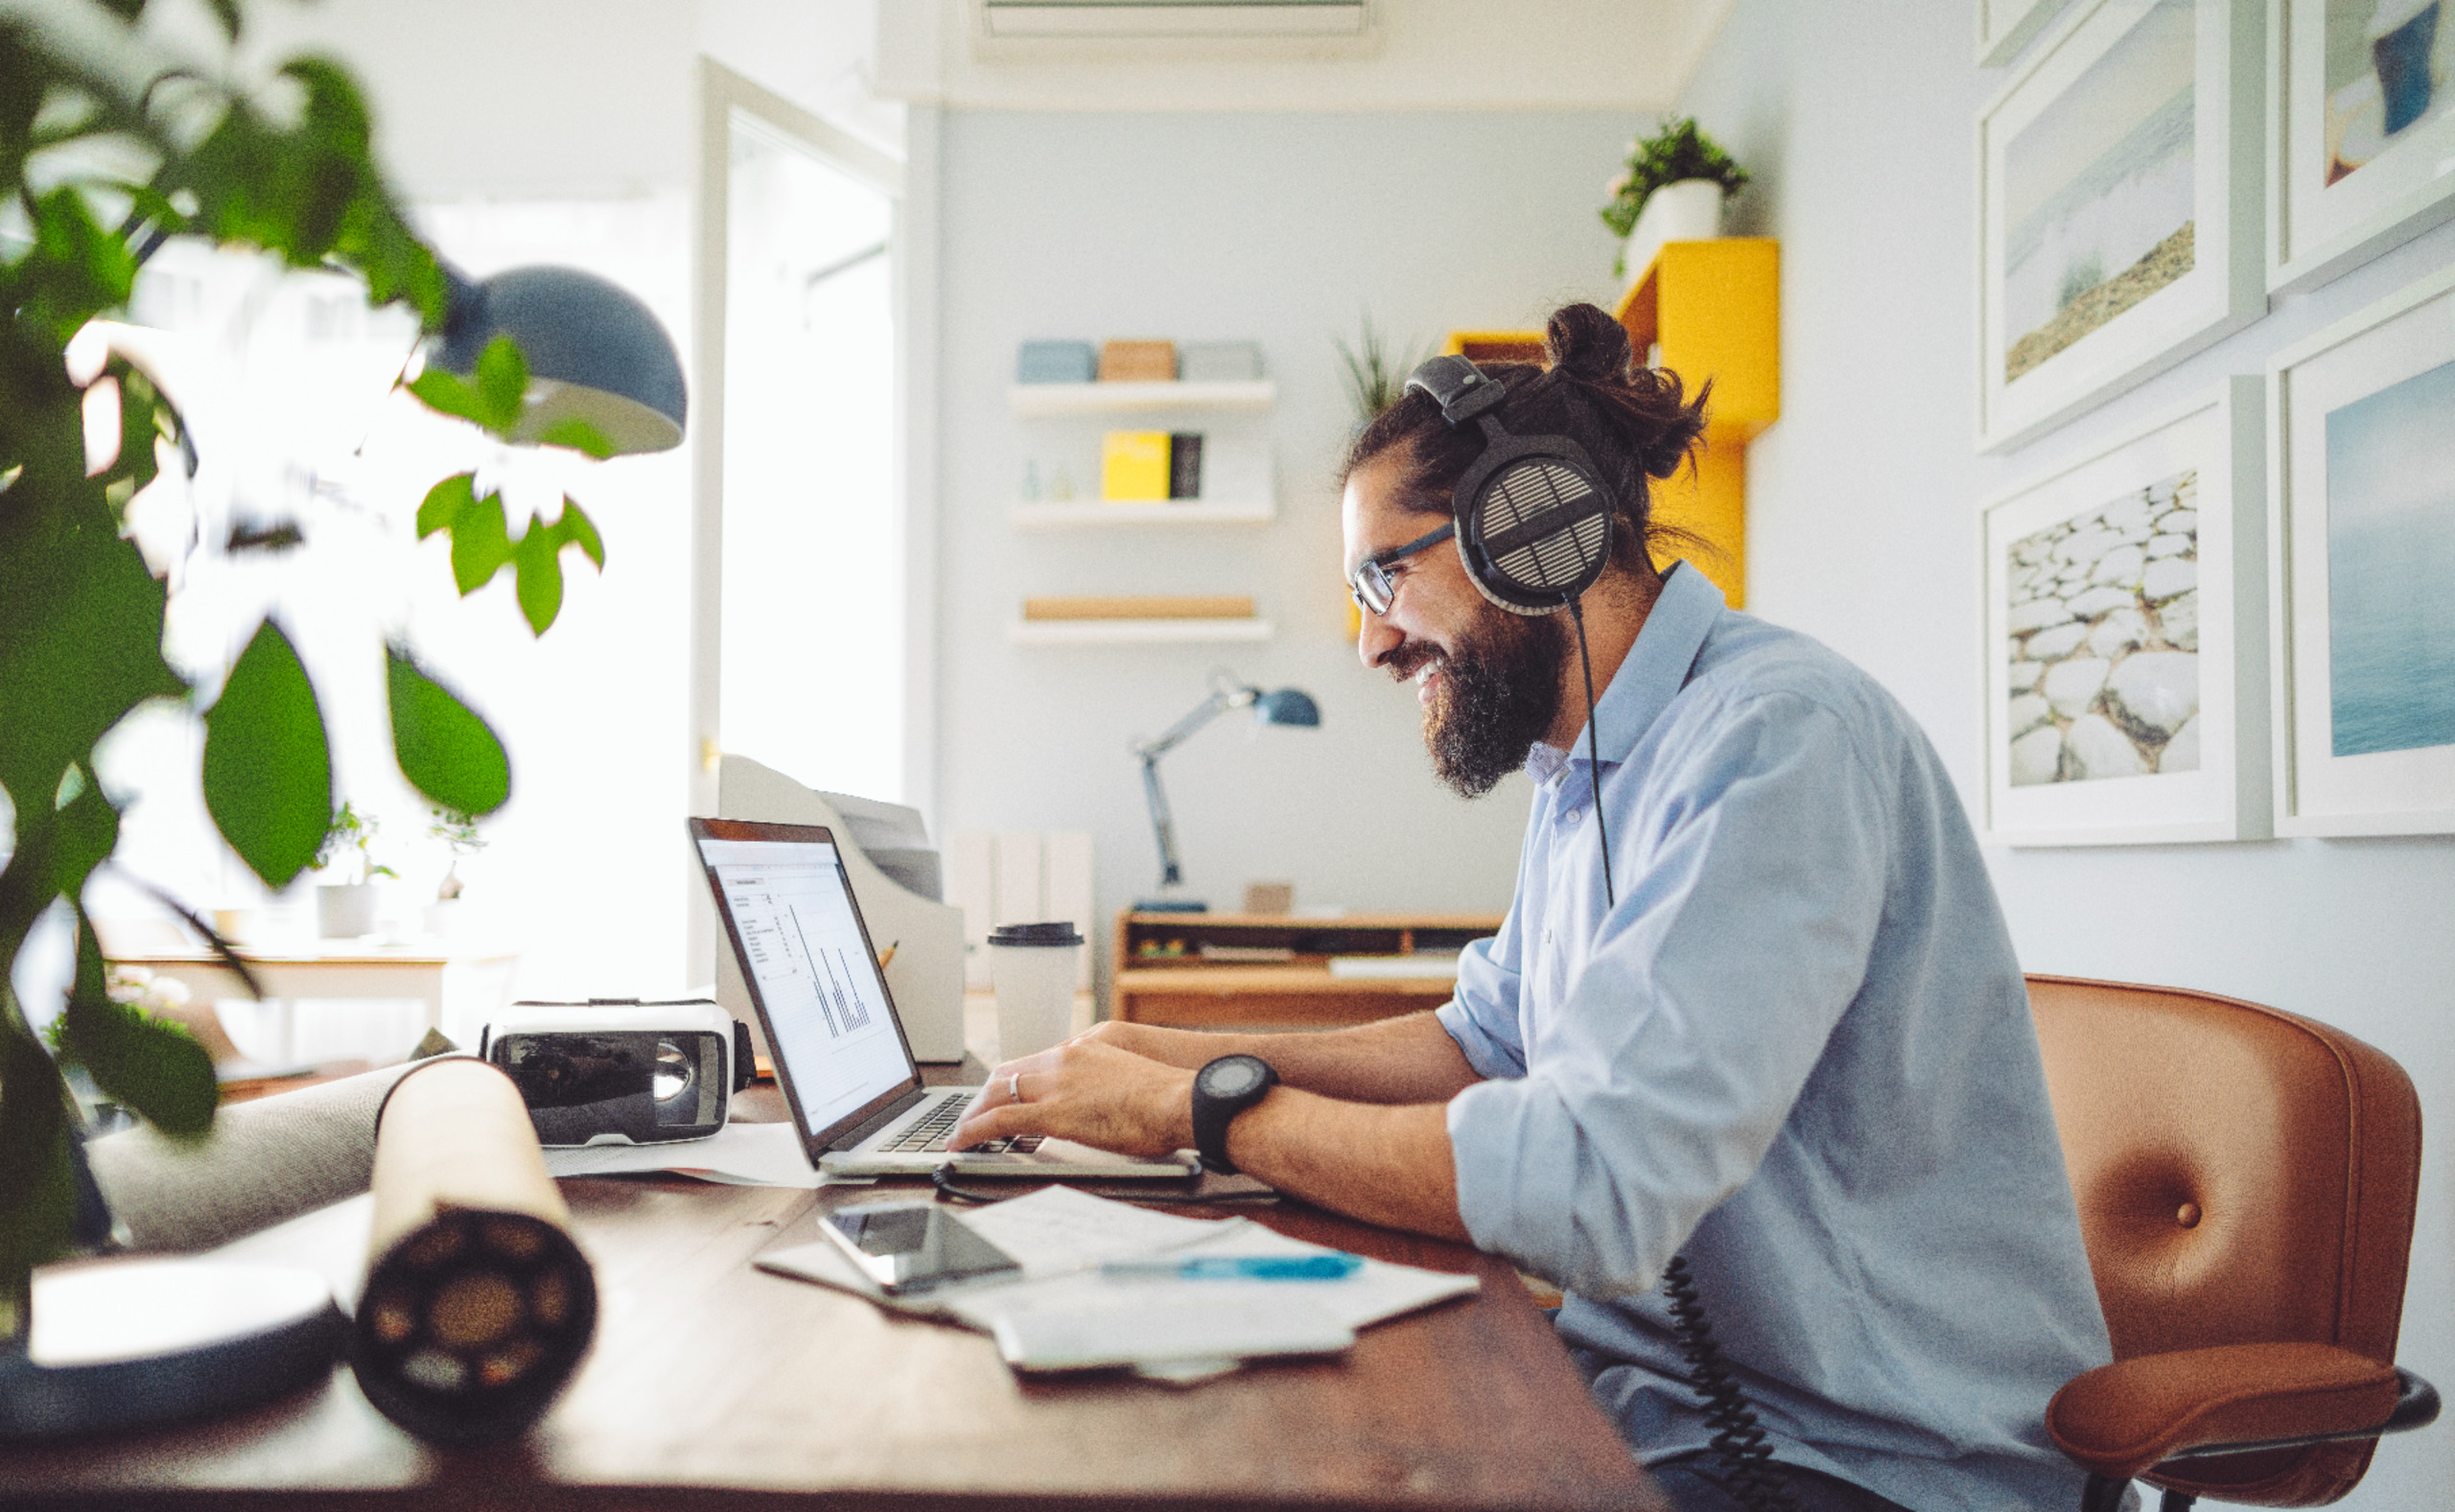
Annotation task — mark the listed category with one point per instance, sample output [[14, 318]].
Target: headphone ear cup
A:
[[1534, 532]]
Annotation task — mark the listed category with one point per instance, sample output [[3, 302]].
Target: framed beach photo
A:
[[2125, 683], [2362, 559], [2006, 26], [2362, 134], [2119, 189]]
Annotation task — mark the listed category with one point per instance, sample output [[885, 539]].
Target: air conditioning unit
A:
[[1090, 19]]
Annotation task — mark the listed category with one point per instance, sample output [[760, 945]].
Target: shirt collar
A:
[[1650, 677]]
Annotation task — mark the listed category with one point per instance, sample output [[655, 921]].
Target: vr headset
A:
[[622, 1071]]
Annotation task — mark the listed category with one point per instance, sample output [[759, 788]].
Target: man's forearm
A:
[[1409, 1060], [1386, 1164]]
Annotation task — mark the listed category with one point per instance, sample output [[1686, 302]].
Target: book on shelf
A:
[[1133, 467], [1140, 606], [1184, 465]]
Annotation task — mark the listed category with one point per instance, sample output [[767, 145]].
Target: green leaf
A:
[[38, 1186], [576, 529], [156, 1068], [445, 393], [480, 544], [541, 575], [444, 502], [227, 12], [445, 750], [267, 770], [503, 385], [578, 435], [81, 615]]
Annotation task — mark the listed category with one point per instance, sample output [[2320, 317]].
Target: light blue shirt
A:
[[1797, 1051]]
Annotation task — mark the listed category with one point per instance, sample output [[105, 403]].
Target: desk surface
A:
[[709, 1379]]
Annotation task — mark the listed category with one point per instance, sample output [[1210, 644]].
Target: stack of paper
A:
[[1064, 1313]]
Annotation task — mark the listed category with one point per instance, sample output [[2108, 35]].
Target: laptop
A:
[[839, 1051]]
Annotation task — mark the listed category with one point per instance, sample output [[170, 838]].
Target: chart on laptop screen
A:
[[826, 1009]]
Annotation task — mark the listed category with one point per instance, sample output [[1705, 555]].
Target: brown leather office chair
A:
[[2245, 1181]]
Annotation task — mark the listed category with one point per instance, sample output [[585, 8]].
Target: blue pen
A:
[[1337, 1266]]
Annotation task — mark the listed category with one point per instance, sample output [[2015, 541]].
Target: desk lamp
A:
[[595, 353], [1288, 706]]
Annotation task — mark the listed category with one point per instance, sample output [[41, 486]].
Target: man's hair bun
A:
[[1584, 342]]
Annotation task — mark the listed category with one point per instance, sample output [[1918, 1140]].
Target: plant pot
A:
[[1689, 210], [346, 912], [442, 918]]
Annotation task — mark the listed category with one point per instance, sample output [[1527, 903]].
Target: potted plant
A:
[[346, 910], [1376, 374], [1671, 192], [115, 135], [459, 832]]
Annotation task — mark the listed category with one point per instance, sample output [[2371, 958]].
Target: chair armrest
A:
[[2121, 1419]]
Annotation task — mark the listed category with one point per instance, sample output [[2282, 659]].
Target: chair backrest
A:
[[2243, 1175]]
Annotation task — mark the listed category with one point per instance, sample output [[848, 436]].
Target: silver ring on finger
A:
[[1014, 1088]]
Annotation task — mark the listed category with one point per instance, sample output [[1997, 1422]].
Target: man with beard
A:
[[1779, 1055]]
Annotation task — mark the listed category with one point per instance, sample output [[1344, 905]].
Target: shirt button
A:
[[1574, 815]]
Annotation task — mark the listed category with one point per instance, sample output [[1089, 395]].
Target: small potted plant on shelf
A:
[[459, 832], [346, 910], [1671, 192]]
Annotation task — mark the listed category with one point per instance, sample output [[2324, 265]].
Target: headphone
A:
[[1534, 515], [1533, 524]]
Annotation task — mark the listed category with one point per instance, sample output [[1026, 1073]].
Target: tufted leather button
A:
[[2187, 1216]]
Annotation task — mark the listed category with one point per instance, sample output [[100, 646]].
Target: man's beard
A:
[[1499, 693]]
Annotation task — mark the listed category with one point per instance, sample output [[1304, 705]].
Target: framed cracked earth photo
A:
[[2121, 185], [2362, 525], [2125, 658]]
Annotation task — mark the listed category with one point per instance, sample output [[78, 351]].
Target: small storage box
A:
[[1219, 362], [1056, 363]]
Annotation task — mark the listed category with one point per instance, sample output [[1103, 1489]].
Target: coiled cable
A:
[[1755, 1478]]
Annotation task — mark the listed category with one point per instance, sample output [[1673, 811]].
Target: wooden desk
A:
[[711, 1384], [1188, 990]]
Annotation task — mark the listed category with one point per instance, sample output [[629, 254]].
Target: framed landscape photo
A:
[[2125, 683], [2362, 533], [2362, 148], [2120, 190], [2005, 26]]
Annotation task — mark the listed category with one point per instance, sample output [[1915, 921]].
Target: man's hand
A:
[[1088, 1090], [1189, 1048]]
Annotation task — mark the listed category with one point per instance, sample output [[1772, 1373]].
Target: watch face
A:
[[1232, 1076]]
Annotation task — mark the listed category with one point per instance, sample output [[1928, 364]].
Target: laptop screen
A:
[[798, 936]]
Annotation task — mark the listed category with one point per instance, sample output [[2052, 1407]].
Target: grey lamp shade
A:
[[595, 353], [1289, 706]]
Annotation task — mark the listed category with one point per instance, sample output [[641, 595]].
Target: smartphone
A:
[[907, 1248]]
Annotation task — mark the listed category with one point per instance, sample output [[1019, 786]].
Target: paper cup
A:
[[1032, 968]]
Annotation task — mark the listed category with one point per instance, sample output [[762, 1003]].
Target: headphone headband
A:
[[1534, 515]]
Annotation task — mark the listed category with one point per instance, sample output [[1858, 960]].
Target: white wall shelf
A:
[[1135, 632], [1046, 400], [1077, 515]]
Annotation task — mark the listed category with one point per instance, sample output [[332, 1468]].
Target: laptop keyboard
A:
[[928, 1134]]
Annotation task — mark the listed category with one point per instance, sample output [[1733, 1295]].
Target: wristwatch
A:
[[1221, 1090]]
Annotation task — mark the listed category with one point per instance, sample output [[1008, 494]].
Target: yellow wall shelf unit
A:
[[1715, 311], [1704, 310]]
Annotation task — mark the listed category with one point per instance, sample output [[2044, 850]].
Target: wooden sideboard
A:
[[1161, 974]]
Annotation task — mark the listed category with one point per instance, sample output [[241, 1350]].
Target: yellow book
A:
[[1134, 466]]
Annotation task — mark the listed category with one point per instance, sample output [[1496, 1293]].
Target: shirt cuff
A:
[[1485, 1053], [1513, 1205]]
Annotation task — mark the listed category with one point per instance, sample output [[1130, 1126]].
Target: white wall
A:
[[1281, 229], [1857, 117]]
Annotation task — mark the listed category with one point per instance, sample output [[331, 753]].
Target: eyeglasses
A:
[[1373, 587]]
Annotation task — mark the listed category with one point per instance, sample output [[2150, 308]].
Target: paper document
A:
[[738, 1154], [1064, 1313]]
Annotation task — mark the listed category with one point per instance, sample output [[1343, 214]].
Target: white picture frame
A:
[[2364, 680], [2122, 637], [2326, 218], [2120, 182], [2006, 26]]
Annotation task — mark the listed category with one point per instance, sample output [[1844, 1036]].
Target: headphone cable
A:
[[1593, 750]]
